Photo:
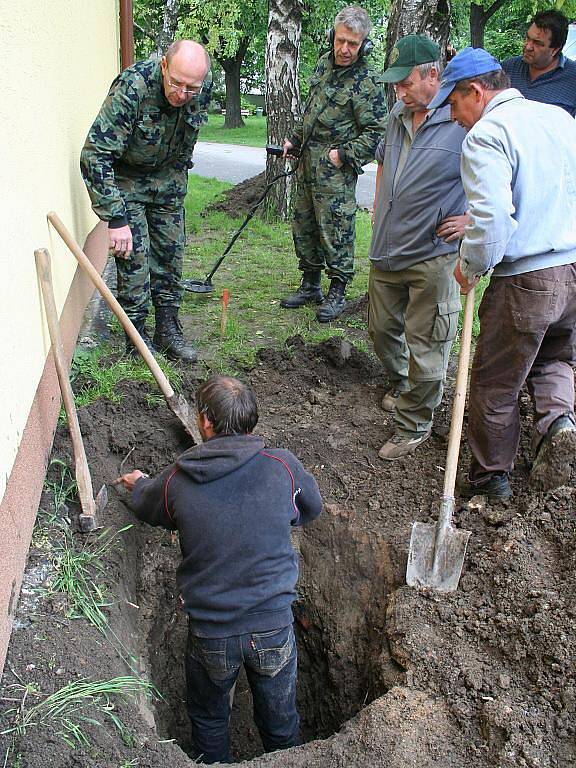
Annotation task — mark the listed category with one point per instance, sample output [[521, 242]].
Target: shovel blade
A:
[[436, 564], [180, 407]]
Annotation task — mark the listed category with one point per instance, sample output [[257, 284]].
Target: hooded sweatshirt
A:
[[233, 502]]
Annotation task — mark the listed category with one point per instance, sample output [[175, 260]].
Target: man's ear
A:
[[478, 91], [205, 424]]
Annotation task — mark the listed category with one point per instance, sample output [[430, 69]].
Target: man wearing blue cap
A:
[[519, 175], [419, 216]]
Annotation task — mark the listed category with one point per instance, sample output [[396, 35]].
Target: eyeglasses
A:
[[182, 88]]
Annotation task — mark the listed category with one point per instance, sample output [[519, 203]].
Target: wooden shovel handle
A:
[[83, 479], [459, 398], [112, 302]]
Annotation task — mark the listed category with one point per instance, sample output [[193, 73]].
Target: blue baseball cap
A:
[[470, 62]]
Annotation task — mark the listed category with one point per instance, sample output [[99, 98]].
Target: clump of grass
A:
[[76, 573], [69, 709], [63, 488], [92, 379]]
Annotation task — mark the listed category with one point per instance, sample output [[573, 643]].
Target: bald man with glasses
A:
[[135, 164]]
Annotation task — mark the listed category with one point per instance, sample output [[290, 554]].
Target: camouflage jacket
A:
[[138, 133], [346, 110]]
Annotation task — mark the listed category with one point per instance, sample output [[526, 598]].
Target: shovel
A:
[[91, 507], [437, 551], [177, 403]]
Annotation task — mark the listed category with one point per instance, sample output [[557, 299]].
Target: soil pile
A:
[[389, 676], [241, 198]]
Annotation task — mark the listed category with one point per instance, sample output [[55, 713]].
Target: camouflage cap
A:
[[408, 52]]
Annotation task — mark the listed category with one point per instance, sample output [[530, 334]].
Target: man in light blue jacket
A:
[[519, 175]]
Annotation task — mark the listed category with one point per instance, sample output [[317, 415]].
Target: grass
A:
[[92, 380], [71, 708], [63, 488], [260, 269], [76, 573], [253, 134]]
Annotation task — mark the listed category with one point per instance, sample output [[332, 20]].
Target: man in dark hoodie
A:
[[233, 503]]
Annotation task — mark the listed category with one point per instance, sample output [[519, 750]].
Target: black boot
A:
[[308, 293], [334, 302], [140, 326], [168, 337]]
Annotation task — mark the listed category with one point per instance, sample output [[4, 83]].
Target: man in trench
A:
[[135, 164], [419, 218], [343, 120], [234, 503], [519, 175]]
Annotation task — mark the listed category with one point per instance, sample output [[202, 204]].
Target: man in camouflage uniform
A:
[[343, 121], [135, 165]]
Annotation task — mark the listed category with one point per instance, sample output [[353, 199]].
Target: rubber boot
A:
[[334, 302], [309, 292], [168, 337], [140, 326]]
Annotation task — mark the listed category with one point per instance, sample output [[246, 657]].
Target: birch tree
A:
[[282, 93]]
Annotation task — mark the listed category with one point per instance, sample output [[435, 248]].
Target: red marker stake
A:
[[224, 315]]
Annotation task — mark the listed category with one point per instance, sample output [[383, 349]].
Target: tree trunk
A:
[[169, 25], [232, 67], [479, 17], [428, 17], [282, 95]]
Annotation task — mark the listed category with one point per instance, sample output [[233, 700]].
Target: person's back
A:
[[531, 146], [232, 501]]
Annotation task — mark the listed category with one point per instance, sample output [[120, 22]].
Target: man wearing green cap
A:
[[419, 218]]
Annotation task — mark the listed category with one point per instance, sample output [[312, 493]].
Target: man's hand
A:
[[287, 147], [452, 228], [120, 241], [465, 285], [129, 480], [334, 158]]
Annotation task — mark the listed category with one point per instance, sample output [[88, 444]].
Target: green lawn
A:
[[258, 272], [252, 135]]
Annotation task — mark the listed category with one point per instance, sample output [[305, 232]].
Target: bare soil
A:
[[389, 676], [241, 198]]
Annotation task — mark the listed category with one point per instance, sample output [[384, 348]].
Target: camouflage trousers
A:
[[325, 216], [152, 273]]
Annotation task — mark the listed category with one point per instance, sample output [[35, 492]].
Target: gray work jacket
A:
[[429, 189]]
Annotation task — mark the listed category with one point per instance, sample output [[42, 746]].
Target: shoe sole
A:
[[554, 467], [329, 319], [406, 453], [297, 306]]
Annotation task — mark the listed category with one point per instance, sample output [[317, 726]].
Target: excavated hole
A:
[[344, 662]]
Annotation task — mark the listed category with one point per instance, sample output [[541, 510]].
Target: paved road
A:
[[234, 163]]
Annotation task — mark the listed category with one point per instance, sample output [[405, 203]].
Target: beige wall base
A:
[[21, 499]]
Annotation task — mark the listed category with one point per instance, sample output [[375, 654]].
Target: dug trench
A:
[[388, 676]]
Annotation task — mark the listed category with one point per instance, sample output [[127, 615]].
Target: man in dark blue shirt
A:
[[543, 73]]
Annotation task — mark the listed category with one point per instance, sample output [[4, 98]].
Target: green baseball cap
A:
[[408, 52]]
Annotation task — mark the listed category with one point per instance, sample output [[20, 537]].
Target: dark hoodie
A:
[[233, 502]]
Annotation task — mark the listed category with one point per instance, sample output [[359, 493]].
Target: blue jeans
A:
[[212, 666]]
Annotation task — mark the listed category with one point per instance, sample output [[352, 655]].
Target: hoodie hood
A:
[[219, 456]]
